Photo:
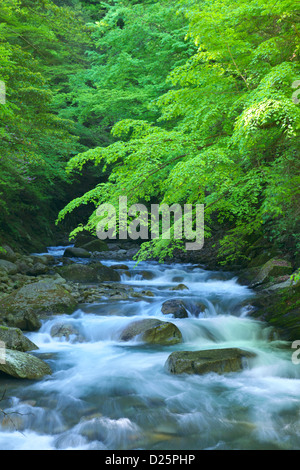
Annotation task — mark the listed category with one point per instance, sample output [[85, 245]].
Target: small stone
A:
[[180, 287]]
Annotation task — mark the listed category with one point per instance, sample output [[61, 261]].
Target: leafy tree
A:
[[228, 130], [35, 141], [134, 47]]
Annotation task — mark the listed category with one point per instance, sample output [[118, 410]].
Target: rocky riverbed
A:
[[36, 287], [127, 356]]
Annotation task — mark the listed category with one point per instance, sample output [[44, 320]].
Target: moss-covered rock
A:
[[13, 338], [25, 306], [94, 272], [23, 365], [219, 361], [83, 238], [269, 272], [74, 252], [279, 306], [179, 287], [153, 331], [8, 267], [7, 253], [175, 307], [96, 245]]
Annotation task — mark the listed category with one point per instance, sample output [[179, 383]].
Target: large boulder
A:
[[211, 360], [13, 338], [23, 365], [96, 245], [74, 252], [273, 269], [8, 266], [279, 306], [83, 238], [175, 307], [153, 331], [94, 272], [7, 253], [24, 307]]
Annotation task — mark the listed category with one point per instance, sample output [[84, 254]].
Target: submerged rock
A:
[[153, 331], [13, 338], [211, 360], [65, 330], [23, 365], [175, 307], [180, 287]]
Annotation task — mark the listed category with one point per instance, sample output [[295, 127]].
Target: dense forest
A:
[[163, 102]]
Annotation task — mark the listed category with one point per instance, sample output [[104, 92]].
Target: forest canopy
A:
[[162, 102]]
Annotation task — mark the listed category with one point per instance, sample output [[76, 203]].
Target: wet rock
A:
[[119, 296], [118, 254], [177, 279], [24, 306], [219, 361], [65, 330], [148, 275], [96, 245], [179, 287], [153, 331], [175, 307], [23, 365], [74, 252], [95, 272], [148, 293], [279, 306], [13, 338], [119, 266]]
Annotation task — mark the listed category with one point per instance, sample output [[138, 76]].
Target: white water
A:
[[107, 394]]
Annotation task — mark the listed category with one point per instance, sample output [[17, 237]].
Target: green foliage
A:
[[207, 120], [134, 47], [35, 141]]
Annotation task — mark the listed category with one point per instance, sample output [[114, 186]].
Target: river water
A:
[[110, 395]]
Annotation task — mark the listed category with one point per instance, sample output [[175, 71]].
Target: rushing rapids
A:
[[108, 394]]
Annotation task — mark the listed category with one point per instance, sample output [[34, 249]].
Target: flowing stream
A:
[[107, 394]]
